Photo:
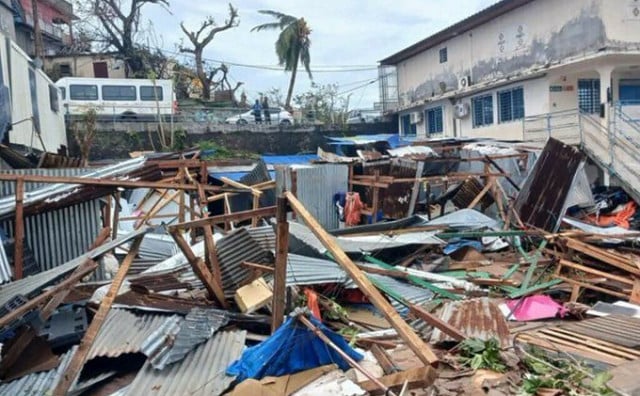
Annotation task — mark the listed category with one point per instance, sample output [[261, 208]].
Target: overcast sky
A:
[[346, 35]]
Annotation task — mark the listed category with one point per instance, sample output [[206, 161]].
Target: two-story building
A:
[[518, 58]]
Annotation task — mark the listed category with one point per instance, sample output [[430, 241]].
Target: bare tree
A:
[[200, 39], [120, 24]]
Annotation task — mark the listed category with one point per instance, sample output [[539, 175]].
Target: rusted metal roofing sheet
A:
[[124, 332], [542, 201], [202, 372], [477, 318], [617, 329], [41, 383]]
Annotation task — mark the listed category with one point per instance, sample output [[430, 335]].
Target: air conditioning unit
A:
[[461, 110], [465, 81], [416, 117]]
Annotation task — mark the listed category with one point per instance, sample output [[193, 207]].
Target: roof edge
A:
[[471, 22]]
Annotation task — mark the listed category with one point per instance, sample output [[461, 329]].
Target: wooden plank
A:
[[593, 271], [79, 357], [18, 253], [260, 267], [280, 273], [384, 359], [238, 216], [200, 268], [116, 215], [437, 322], [256, 206], [593, 287], [610, 258], [417, 345], [419, 377], [211, 254]]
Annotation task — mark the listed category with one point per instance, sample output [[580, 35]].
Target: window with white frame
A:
[[434, 118], [510, 104], [482, 107], [589, 95]]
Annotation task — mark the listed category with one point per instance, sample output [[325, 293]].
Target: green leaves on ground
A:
[[479, 354]]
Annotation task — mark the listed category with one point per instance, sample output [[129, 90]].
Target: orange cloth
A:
[[312, 303], [620, 218], [352, 208]]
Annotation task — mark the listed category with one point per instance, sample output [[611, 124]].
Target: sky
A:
[[348, 38]]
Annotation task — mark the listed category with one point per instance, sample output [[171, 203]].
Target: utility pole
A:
[[37, 33]]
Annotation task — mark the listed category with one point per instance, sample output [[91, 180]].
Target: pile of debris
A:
[[444, 268]]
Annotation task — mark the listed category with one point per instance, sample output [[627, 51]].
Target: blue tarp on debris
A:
[[457, 244], [297, 159], [292, 348]]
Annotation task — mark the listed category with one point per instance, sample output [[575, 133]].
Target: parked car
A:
[[363, 116], [278, 116]]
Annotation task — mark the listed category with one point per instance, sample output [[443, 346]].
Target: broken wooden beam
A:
[[200, 269], [415, 377], [18, 253], [417, 345], [237, 216], [79, 357], [280, 273]]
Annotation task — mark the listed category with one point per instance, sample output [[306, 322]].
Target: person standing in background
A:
[[257, 112], [265, 109]]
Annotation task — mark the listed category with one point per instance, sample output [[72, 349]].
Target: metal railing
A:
[[615, 147]]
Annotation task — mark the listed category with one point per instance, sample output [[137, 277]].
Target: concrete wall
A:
[[82, 65], [508, 45], [6, 19], [110, 144]]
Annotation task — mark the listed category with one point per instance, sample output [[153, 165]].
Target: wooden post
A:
[[256, 205], [116, 215], [78, 359], [211, 255], [200, 268], [18, 255], [280, 276], [376, 197], [419, 347]]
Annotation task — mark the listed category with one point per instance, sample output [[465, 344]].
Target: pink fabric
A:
[[535, 307]]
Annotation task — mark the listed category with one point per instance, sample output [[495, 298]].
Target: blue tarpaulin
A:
[[455, 245], [292, 348]]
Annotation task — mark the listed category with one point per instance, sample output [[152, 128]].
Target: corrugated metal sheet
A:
[[542, 201], [41, 383], [305, 237], [50, 191], [31, 285], [265, 236], [124, 332], [617, 329], [202, 372], [477, 318], [58, 236], [315, 187], [411, 293], [164, 348], [5, 266], [303, 270], [235, 248], [9, 188]]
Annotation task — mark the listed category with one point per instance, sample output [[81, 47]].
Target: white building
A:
[[492, 73], [30, 109]]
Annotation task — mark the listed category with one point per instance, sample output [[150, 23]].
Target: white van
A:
[[117, 98]]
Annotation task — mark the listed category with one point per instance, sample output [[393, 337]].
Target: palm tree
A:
[[292, 45]]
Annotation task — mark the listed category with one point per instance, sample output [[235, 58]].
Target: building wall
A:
[[82, 65], [513, 44], [6, 19]]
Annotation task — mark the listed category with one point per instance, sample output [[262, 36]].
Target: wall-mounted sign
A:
[[560, 88]]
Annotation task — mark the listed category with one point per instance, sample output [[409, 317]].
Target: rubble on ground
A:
[[433, 268]]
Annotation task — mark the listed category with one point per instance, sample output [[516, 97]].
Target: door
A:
[[100, 70]]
